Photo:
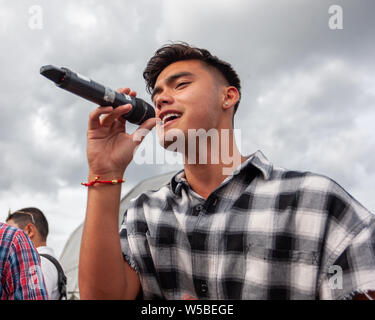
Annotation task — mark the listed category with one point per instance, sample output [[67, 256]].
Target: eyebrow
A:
[[170, 80]]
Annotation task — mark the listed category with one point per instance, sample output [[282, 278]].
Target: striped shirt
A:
[[21, 276], [265, 233]]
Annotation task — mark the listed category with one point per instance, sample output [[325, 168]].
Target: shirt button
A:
[[204, 288], [198, 209]]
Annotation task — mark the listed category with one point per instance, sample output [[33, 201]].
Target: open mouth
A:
[[169, 118]]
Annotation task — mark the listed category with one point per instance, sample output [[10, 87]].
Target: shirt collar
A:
[[257, 160], [178, 181], [45, 250]]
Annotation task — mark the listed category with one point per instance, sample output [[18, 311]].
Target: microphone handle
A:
[[104, 96]]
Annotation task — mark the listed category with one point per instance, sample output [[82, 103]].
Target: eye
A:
[[182, 84]]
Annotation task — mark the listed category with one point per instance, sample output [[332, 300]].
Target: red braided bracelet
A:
[[91, 183]]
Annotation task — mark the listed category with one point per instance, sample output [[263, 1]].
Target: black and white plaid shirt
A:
[[264, 233]]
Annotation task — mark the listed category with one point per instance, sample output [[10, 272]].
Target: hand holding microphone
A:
[[97, 93], [110, 148]]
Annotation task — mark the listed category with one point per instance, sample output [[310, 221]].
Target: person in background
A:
[[34, 223], [21, 276]]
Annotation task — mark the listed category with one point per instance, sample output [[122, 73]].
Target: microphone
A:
[[97, 93]]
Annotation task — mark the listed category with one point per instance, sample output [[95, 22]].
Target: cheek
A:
[[204, 111], [200, 109], [193, 118], [199, 120], [198, 96]]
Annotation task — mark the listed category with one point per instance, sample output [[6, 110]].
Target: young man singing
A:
[[243, 230]]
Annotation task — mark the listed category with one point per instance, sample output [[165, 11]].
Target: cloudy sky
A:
[[307, 76]]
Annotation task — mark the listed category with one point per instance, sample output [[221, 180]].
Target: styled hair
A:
[[179, 51], [31, 215]]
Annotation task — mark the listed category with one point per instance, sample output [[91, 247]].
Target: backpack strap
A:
[[60, 273]]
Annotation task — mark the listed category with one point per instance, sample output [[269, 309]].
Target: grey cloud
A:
[[108, 49]]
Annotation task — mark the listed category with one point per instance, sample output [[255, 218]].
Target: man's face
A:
[[187, 95]]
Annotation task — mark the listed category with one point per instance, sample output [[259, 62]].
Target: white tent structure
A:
[[70, 255]]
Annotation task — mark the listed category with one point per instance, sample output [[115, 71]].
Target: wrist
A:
[[110, 175], [97, 180]]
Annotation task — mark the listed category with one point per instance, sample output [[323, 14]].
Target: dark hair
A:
[[26, 215], [178, 51]]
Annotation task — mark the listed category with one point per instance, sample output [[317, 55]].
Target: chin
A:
[[172, 139]]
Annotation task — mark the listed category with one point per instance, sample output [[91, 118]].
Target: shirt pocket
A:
[[279, 274], [160, 250]]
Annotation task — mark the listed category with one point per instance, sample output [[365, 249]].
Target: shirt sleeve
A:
[[24, 278], [353, 271], [125, 247]]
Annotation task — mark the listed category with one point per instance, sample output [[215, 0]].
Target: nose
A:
[[163, 99]]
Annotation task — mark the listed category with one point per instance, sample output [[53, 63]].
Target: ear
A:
[[231, 97], [30, 230]]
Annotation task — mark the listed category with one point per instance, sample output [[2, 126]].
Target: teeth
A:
[[167, 115]]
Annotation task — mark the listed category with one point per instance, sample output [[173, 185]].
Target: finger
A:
[[124, 90], [118, 126], [117, 113], [127, 91], [149, 124], [94, 117]]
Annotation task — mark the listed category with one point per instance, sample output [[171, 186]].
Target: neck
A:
[[222, 159], [38, 244]]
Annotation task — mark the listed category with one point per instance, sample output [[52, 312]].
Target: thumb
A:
[[149, 123]]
